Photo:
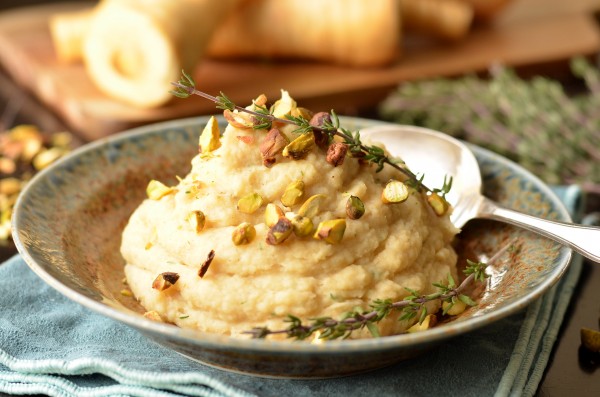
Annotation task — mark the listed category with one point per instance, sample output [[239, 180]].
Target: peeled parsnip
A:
[[68, 31], [134, 49], [444, 19], [349, 32], [485, 10]]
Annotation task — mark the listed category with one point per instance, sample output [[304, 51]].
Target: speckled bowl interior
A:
[[68, 223]]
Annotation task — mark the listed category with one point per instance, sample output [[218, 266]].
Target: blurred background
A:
[[519, 77]]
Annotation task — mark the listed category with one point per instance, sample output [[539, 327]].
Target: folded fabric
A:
[[51, 345]]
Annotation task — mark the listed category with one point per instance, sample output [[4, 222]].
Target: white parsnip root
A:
[[349, 32], [444, 19], [134, 49]]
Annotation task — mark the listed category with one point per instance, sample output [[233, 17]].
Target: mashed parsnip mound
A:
[[390, 248]]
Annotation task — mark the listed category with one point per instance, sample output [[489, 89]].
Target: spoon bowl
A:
[[437, 155]]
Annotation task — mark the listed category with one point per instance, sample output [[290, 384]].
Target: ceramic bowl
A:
[[68, 223]]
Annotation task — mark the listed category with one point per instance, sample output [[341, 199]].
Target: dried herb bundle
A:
[[533, 122]]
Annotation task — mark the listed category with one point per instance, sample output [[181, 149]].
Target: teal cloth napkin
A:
[[51, 345]]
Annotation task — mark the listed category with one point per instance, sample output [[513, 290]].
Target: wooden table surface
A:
[[570, 372], [530, 32]]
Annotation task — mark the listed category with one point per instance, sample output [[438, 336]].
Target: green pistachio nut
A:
[[355, 208], [331, 231]]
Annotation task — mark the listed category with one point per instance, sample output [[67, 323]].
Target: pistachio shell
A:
[[210, 139], [331, 231], [299, 147], [157, 190], [394, 192], [292, 194], [250, 203]]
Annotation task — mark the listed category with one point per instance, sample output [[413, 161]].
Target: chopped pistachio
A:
[[279, 232], [272, 145], [247, 139], [33, 147], [244, 233], [301, 225], [10, 186], [336, 153], [454, 308], [206, 264], [5, 230], [260, 100], [272, 214], [47, 156], [438, 203], [284, 106], [590, 339], [7, 166], [153, 237], [354, 207], [311, 206], [153, 315], [331, 231], [427, 323], [165, 281], [126, 292], [319, 120], [292, 194], [62, 139], [304, 113], [210, 139], [394, 192], [250, 203], [157, 190], [197, 220], [299, 147], [238, 120], [194, 188]]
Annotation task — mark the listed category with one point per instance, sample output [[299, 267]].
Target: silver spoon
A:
[[437, 155]]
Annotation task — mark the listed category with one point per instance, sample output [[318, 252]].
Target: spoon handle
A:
[[583, 239]]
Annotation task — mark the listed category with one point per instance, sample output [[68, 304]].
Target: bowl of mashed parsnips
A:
[[277, 251]]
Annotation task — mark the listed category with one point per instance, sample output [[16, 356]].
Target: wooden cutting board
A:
[[26, 53]]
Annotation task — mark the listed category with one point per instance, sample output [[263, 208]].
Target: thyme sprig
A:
[[186, 87], [410, 307]]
